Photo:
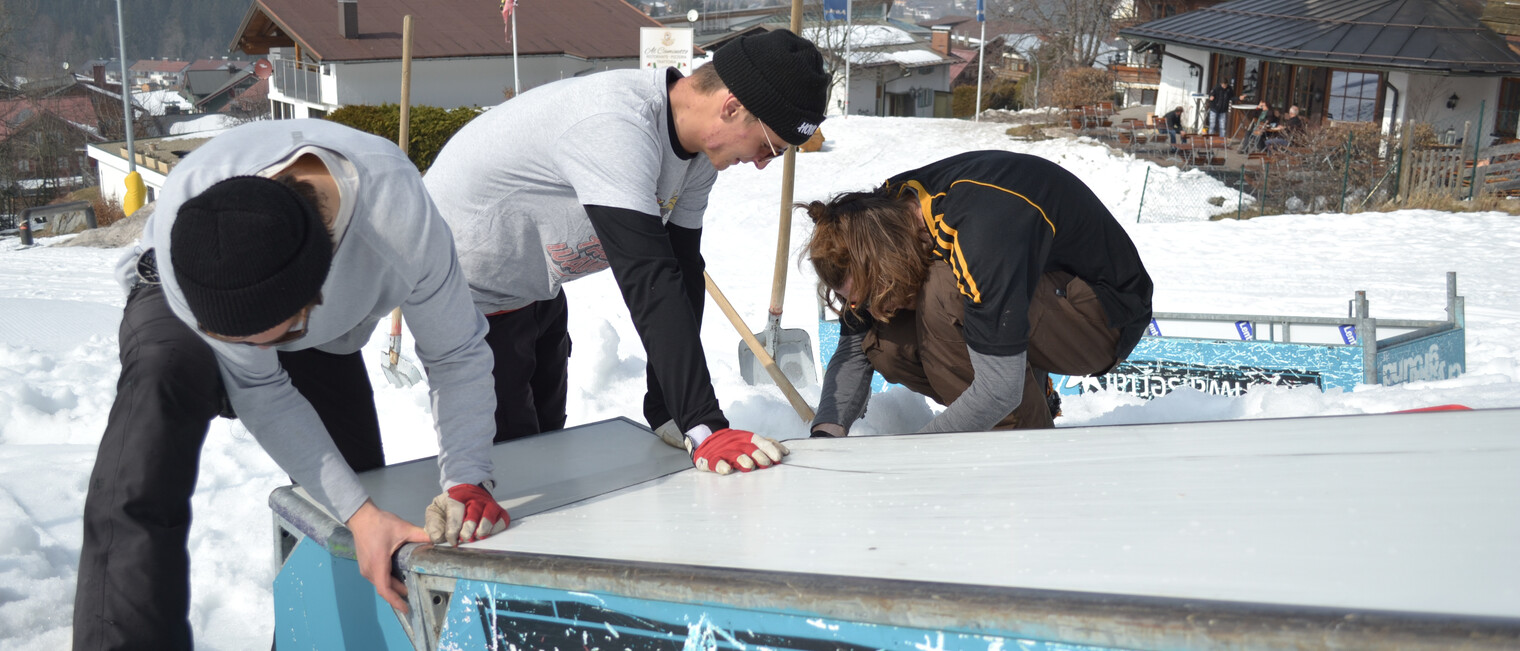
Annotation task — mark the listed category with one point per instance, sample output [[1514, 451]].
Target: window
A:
[[1225, 70], [1308, 89], [1276, 90], [1250, 83], [23, 165], [1509, 107], [1353, 96]]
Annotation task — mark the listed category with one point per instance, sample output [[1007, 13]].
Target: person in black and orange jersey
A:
[[969, 280]]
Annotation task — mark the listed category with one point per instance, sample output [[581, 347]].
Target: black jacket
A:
[[1002, 220], [1219, 99]]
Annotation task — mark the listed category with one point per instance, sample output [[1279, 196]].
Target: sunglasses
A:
[[294, 333], [774, 152]]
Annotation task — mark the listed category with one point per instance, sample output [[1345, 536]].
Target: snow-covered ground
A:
[[209, 124], [157, 102], [59, 309]]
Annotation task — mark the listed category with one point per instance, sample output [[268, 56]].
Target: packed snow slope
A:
[[59, 309]]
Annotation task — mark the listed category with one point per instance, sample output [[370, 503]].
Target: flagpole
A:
[[849, 13], [981, 59], [516, 82]]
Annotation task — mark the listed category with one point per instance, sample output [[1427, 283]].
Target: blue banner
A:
[[835, 9], [981, 11]]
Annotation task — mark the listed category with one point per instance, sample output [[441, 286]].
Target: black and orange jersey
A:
[[1001, 220]]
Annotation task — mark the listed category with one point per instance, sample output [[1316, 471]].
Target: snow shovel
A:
[[791, 348], [401, 372], [757, 352]]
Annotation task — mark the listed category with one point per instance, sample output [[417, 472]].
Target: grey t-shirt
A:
[[513, 183], [392, 249]]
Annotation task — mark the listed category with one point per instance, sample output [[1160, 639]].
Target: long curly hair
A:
[[874, 241]]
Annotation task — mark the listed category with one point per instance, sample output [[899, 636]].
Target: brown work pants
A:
[[923, 348]]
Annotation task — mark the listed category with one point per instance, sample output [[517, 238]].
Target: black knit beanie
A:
[[248, 253], [779, 77]]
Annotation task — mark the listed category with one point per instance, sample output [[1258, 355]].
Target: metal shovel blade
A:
[[402, 374], [792, 349], [399, 371]]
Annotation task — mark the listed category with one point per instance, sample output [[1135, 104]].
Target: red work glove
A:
[[466, 513], [729, 448]]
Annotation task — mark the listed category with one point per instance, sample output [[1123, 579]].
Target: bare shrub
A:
[[1074, 87]]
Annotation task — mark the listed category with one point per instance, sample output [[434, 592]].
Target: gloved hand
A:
[[466, 513], [729, 448]]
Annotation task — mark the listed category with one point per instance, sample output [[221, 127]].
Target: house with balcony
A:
[[325, 55], [1447, 63], [158, 73]]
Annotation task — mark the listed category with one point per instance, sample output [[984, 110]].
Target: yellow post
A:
[[136, 192]]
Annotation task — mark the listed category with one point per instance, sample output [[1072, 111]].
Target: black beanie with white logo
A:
[[249, 253], [778, 76]]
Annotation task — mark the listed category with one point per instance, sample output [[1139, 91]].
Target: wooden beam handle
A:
[[803, 410]]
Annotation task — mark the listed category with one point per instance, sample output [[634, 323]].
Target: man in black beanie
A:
[[269, 259], [614, 170]]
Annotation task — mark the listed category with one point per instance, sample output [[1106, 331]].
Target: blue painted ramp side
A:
[[323, 603], [1160, 365], [484, 616], [1436, 357]]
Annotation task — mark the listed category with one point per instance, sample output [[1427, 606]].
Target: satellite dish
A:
[[691, 16], [65, 65]]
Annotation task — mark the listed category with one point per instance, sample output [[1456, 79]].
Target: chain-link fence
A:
[[1191, 193], [1340, 168]]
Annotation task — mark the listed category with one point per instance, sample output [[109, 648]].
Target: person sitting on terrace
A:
[[1171, 124]]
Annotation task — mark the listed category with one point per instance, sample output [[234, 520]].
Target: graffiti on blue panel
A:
[[484, 615], [1436, 357], [1160, 365]]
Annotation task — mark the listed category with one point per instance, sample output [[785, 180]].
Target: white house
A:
[[326, 55], [1383, 61], [892, 72]]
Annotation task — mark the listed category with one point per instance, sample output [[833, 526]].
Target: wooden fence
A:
[[1450, 171]]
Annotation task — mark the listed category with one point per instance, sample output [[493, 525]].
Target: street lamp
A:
[[135, 189]]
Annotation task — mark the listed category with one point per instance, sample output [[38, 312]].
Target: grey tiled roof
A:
[[1428, 36]]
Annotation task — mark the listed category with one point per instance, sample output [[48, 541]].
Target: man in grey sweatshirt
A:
[[272, 253], [613, 170]]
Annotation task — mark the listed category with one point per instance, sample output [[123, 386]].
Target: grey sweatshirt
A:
[[996, 390], [392, 249], [514, 182]]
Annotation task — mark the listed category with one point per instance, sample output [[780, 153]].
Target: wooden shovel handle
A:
[[402, 140], [792, 396]]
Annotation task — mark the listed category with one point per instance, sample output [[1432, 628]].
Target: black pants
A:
[[134, 569], [532, 350]]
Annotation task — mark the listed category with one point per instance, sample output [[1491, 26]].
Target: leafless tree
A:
[[1422, 97], [835, 37], [14, 16], [1074, 30]]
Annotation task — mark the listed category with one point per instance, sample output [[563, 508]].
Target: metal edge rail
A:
[[1111, 620]]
